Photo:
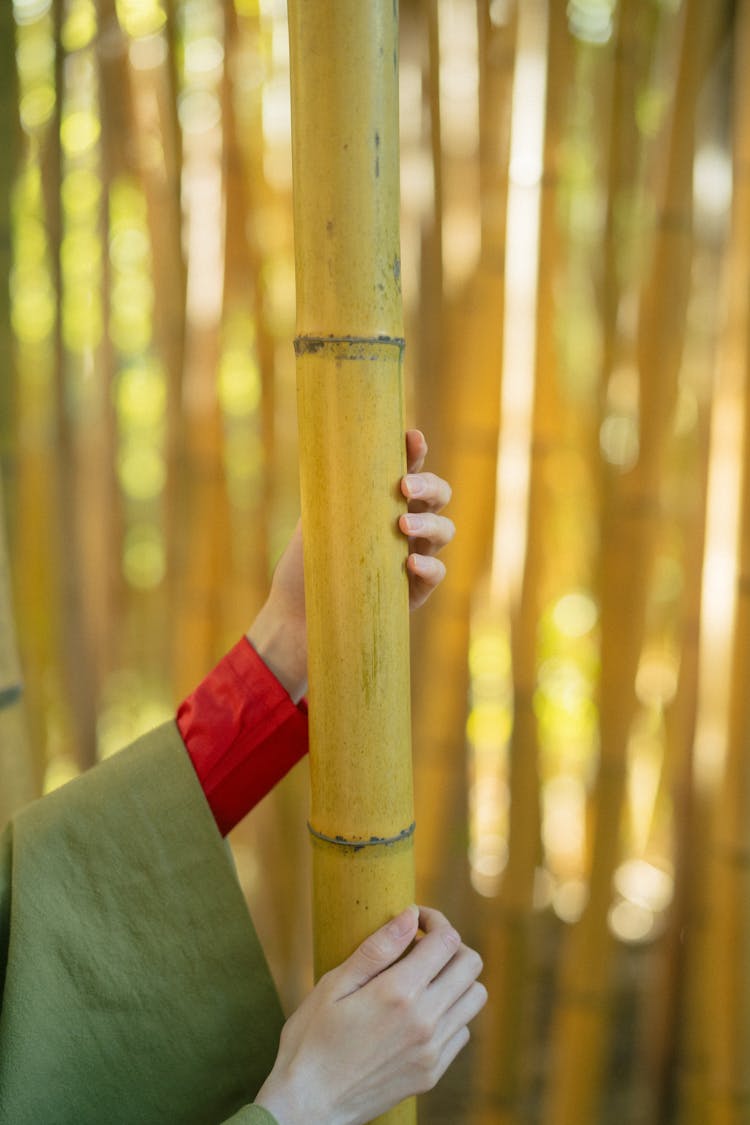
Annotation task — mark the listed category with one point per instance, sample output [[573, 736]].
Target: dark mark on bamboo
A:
[[10, 695]]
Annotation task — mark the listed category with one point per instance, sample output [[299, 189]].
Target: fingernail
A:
[[414, 523], [415, 486], [403, 923]]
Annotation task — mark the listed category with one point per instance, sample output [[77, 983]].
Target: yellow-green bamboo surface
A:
[[344, 75]]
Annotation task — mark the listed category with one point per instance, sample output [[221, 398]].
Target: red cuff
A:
[[242, 732]]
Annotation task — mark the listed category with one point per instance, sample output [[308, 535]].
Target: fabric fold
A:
[[134, 985]]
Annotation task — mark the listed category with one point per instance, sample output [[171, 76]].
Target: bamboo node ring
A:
[[306, 345], [374, 841]]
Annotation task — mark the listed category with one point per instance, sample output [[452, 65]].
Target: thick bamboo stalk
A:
[[344, 73]]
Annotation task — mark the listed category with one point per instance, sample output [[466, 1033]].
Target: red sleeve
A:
[[242, 732]]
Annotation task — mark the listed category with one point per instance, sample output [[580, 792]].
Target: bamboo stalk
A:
[[9, 118], [729, 1080], [260, 200], [430, 371], [344, 75], [273, 835], [667, 1009], [16, 774], [16, 767], [467, 445], [11, 683], [501, 1075], [630, 518], [200, 486], [76, 656]]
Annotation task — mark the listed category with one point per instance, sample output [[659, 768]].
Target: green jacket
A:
[[134, 989]]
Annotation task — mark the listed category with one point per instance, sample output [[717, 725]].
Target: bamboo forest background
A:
[[576, 243]]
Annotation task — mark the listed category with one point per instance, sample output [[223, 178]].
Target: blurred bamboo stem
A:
[[76, 656], [630, 518], [729, 1045], [11, 685], [9, 120], [344, 75], [469, 411], [15, 760], [501, 1068], [668, 1009], [15, 763], [430, 372]]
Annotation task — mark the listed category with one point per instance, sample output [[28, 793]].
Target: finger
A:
[[376, 953], [452, 1048], [463, 1010], [426, 492], [416, 450], [429, 532], [429, 955], [458, 977], [425, 575]]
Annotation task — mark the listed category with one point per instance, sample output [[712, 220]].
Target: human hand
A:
[[377, 1029], [279, 632]]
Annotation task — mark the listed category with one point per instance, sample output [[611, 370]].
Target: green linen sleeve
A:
[[252, 1115], [134, 988]]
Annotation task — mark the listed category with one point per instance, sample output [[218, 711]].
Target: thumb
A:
[[377, 952]]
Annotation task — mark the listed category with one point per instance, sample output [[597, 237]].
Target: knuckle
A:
[[436, 1070], [373, 950], [423, 1031], [428, 1062], [426, 1079], [394, 997], [327, 982]]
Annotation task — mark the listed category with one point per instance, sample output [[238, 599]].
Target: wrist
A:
[[281, 643], [285, 1100]]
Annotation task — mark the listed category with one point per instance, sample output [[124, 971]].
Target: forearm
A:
[[282, 647]]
